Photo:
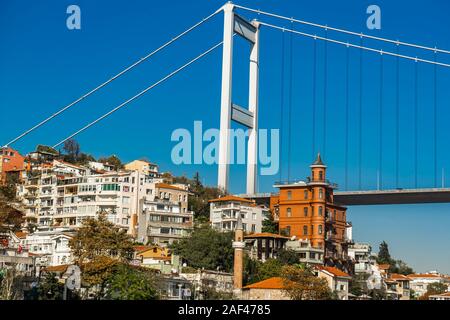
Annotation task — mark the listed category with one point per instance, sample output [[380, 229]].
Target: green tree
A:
[[98, 247], [131, 283], [269, 225], [206, 248], [72, 149], [384, 257], [434, 289], [11, 218], [300, 283], [288, 257], [113, 161], [50, 288]]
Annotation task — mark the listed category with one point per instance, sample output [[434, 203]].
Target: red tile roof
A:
[[399, 277], [20, 234], [334, 271], [424, 275], [271, 283], [230, 198], [384, 266], [169, 186], [60, 268], [266, 235]]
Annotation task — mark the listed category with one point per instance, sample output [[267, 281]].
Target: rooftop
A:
[[271, 283], [231, 198], [334, 271], [266, 235]]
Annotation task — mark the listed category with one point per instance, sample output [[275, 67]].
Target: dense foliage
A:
[[396, 266], [206, 248]]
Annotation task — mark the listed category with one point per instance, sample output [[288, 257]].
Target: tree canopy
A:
[[206, 248], [395, 266]]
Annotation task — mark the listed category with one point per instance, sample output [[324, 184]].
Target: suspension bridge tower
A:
[[234, 24]]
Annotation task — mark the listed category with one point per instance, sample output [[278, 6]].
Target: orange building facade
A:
[[10, 161], [307, 210]]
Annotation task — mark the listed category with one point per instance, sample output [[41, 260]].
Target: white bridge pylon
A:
[[232, 112]]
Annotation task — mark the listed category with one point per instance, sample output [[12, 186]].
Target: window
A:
[[126, 200], [320, 211], [312, 230], [320, 229], [321, 175], [306, 194], [320, 193], [289, 195], [305, 230], [244, 226], [288, 212], [305, 211], [254, 216], [253, 228], [312, 255]]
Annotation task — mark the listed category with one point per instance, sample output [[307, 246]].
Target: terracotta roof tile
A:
[[334, 271], [230, 198], [423, 275], [399, 277], [169, 186], [266, 235], [60, 268], [271, 283]]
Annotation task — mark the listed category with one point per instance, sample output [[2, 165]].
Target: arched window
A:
[[305, 230], [320, 175], [320, 211], [305, 211], [306, 194], [320, 193], [289, 195], [320, 229]]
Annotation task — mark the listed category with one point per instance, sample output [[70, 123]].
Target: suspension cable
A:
[[347, 81], [360, 113], [140, 93], [435, 123], [133, 65], [380, 185], [362, 35], [325, 84], [416, 108], [357, 46], [314, 101], [290, 107], [397, 120], [282, 103]]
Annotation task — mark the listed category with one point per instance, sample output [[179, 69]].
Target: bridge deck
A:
[[378, 197]]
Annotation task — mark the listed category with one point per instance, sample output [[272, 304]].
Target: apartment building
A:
[[63, 194], [144, 167], [306, 252], [164, 216], [361, 254], [307, 210], [263, 246], [225, 210], [419, 281]]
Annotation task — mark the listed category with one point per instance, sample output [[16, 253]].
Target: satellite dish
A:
[[74, 279]]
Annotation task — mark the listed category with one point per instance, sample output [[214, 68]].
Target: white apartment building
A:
[[225, 210], [50, 247], [63, 194], [360, 253], [419, 281]]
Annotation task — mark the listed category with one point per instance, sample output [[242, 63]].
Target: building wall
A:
[[10, 159], [264, 294]]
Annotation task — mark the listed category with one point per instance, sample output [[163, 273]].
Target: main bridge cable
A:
[[168, 76], [357, 46], [135, 64], [406, 44]]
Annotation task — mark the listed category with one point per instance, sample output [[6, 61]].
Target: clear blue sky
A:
[[45, 66]]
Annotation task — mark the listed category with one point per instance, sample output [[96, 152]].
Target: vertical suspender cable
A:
[[281, 105], [314, 101], [381, 124], [360, 112], [397, 120], [290, 107], [325, 87], [435, 122], [347, 76], [416, 109]]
